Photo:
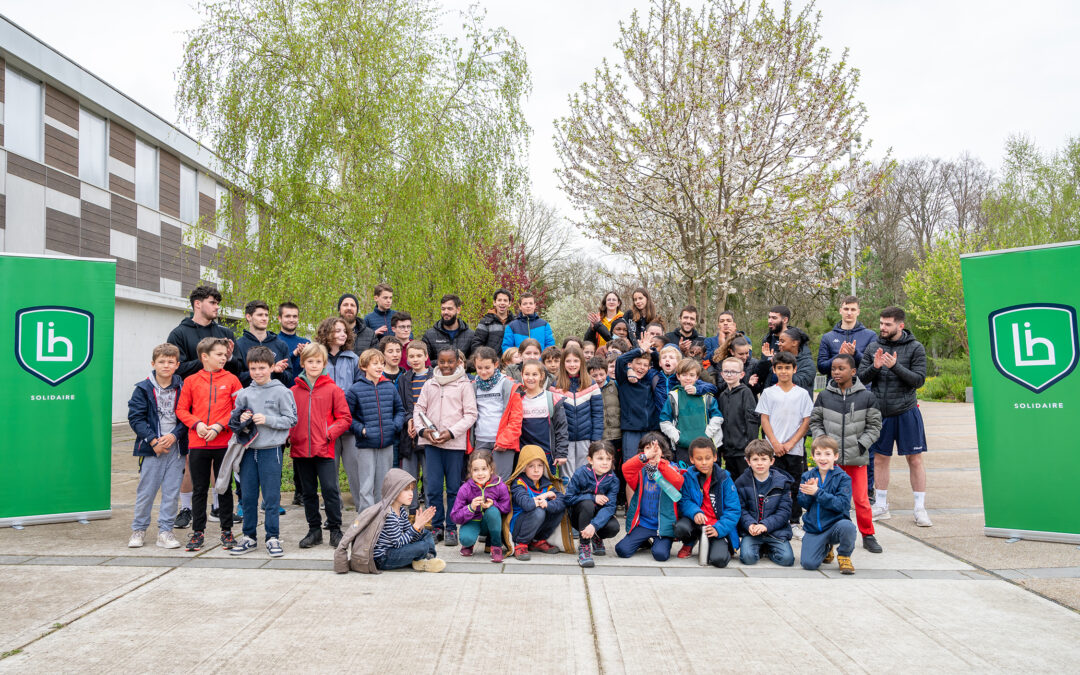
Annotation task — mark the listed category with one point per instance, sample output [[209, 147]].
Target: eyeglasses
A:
[[731, 372]]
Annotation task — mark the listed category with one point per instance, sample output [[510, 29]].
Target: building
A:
[[86, 171]]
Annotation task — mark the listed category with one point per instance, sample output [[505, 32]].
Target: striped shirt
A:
[[418, 384], [396, 532]]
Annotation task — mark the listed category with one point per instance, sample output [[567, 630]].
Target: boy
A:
[[847, 412], [289, 318], [377, 418], [657, 486], [527, 324], [551, 358], [410, 383], [319, 400], [825, 493], [736, 403], [688, 414], [268, 404], [637, 409], [391, 348], [257, 315], [785, 417], [493, 392], [401, 325], [539, 504], [204, 406], [765, 495], [160, 445], [709, 502], [603, 372], [381, 318]]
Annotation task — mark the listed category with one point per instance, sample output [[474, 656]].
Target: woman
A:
[[641, 314], [610, 309]]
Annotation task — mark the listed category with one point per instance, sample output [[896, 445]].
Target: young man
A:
[[289, 318], [779, 316], [364, 338], [847, 337], [686, 334], [490, 329], [528, 324], [894, 366], [380, 319], [726, 329], [257, 315], [450, 329]]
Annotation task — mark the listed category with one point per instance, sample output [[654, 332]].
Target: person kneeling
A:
[[765, 494], [656, 482], [709, 503], [825, 495]]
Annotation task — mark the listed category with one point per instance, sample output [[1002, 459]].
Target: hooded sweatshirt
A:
[[357, 548], [322, 415], [186, 337], [275, 344], [208, 398], [520, 485], [275, 402], [831, 342]]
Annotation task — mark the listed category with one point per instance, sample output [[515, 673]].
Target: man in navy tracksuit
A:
[[847, 337]]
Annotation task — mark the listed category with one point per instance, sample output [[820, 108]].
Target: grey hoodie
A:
[[274, 401]]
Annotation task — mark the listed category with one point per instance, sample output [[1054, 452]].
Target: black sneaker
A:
[[870, 543], [313, 538], [450, 538], [195, 542], [335, 537], [297, 500], [183, 519], [437, 534], [214, 516], [227, 540]]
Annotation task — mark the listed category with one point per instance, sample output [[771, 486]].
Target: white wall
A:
[[140, 327]]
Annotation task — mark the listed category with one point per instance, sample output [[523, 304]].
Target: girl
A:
[[493, 392], [510, 358], [584, 405], [480, 505], [343, 367], [572, 340], [534, 416], [657, 486], [529, 349], [589, 350], [642, 314], [738, 347], [539, 506], [377, 418], [610, 309], [602, 335], [592, 494], [793, 341]]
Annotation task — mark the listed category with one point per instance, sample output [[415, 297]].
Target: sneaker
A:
[[297, 500], [215, 515], [881, 512], [227, 540], [543, 547], [273, 547], [574, 534], [870, 543], [335, 537], [138, 538], [845, 564], [183, 519], [312, 538], [922, 518], [243, 546], [598, 547], [429, 565], [521, 551], [195, 542], [685, 551], [281, 510], [437, 533], [466, 551], [239, 512], [584, 555], [496, 554], [797, 531], [167, 540], [829, 557], [450, 538]]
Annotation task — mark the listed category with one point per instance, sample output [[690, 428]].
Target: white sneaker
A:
[[167, 540], [922, 519], [797, 532], [138, 537], [429, 565], [880, 512]]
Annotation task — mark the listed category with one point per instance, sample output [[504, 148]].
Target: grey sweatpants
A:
[[372, 465], [577, 453]]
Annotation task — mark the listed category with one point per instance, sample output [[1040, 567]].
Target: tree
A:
[[924, 200], [1038, 199], [716, 147], [967, 182], [544, 238], [935, 297], [382, 150]]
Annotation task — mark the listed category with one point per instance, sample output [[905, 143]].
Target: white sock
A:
[[880, 498], [215, 496], [920, 500], [185, 500]]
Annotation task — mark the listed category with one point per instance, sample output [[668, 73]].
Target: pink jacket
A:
[[451, 406]]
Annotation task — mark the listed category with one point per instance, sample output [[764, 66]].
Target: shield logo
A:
[[54, 343], [1034, 345]]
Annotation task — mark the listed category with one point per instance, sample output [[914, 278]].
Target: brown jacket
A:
[[358, 543]]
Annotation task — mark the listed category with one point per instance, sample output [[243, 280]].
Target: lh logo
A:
[[54, 343], [1034, 345]]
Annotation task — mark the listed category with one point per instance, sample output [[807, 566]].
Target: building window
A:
[[224, 201], [189, 194], [93, 152], [252, 219], [146, 174], [24, 125]]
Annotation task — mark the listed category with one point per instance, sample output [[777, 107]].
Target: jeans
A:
[[689, 533], [630, 441], [582, 513], [841, 534], [312, 473], [372, 465], [412, 465], [260, 468], [442, 465], [490, 524], [346, 454], [403, 556], [538, 524], [778, 550], [638, 537], [162, 472], [201, 461]]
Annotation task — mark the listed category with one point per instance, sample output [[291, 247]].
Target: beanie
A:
[[348, 295]]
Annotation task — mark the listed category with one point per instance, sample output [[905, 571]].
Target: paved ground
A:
[[945, 597]]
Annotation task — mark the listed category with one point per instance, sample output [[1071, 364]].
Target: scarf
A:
[[452, 377], [489, 384]]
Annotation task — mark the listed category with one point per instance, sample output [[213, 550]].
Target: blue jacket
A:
[[143, 418], [291, 341], [584, 487], [666, 384], [376, 320], [524, 327], [523, 491], [831, 502], [637, 403], [377, 412], [722, 496], [276, 345], [584, 412], [775, 510], [831, 341], [344, 369]]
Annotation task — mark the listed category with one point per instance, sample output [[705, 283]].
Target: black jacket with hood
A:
[[895, 388], [186, 337]]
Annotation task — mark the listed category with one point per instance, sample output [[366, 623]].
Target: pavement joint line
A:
[[592, 625]]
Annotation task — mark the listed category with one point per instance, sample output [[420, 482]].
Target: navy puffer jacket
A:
[[377, 412]]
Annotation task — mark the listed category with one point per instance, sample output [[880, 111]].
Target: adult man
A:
[[686, 334], [257, 315], [847, 337], [779, 316], [205, 305], [347, 306], [725, 330], [895, 364], [449, 329], [527, 324], [379, 320], [489, 332], [288, 314]]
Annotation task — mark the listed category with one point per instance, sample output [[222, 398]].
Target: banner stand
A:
[[48, 519], [1053, 537]]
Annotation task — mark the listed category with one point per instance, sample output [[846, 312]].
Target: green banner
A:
[[57, 325], [1021, 310]]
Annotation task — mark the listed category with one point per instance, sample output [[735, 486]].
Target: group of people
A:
[[500, 441]]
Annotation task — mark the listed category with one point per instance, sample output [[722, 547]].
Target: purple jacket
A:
[[495, 490]]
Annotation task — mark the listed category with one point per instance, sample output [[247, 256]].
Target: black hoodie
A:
[[896, 387], [186, 337]]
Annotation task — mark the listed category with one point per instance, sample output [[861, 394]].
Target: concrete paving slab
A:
[[142, 561], [954, 575], [1065, 591], [704, 571], [226, 563], [536, 568], [610, 570], [474, 568], [14, 559], [67, 560], [1051, 572], [864, 573], [286, 564], [796, 572]]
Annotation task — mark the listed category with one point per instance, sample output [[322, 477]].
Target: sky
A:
[[939, 78]]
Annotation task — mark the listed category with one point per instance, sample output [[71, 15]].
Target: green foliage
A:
[[935, 297], [567, 317], [948, 379], [1038, 198]]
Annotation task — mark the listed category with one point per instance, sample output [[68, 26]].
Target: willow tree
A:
[[716, 147], [380, 148]]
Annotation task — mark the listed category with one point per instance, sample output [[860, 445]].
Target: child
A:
[[534, 416], [510, 363], [657, 486], [410, 384], [847, 412], [527, 324], [382, 538], [765, 495], [737, 404], [603, 370], [709, 502], [825, 493], [448, 402], [785, 417], [668, 379], [638, 412], [322, 415], [583, 403], [493, 392], [160, 445], [793, 341], [377, 418], [481, 503], [588, 348], [687, 414], [391, 348], [592, 495], [529, 350], [551, 358], [539, 505], [204, 406], [271, 406]]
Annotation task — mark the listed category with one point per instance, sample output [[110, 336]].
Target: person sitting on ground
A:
[[480, 505], [592, 495], [825, 494], [652, 512], [765, 496], [709, 503], [539, 505]]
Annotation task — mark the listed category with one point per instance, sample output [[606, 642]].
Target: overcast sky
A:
[[938, 78]]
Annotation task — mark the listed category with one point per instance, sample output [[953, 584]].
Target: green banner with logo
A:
[[56, 396], [1021, 310]]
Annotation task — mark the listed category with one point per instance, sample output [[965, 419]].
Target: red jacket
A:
[[509, 435], [321, 416], [208, 398]]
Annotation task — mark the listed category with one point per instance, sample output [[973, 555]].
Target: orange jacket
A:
[[208, 398]]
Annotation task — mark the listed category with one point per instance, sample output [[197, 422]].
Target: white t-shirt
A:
[[786, 411]]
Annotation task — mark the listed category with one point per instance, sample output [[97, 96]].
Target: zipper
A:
[[311, 393], [210, 399], [378, 408]]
